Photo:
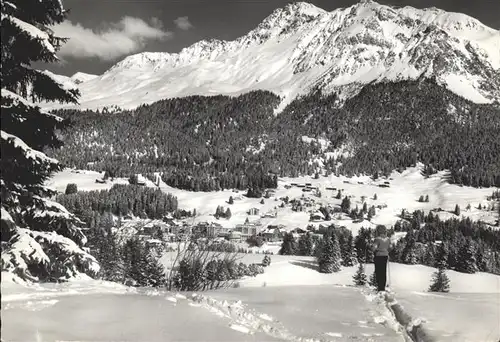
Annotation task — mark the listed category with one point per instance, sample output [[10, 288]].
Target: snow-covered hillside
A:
[[301, 47], [73, 81]]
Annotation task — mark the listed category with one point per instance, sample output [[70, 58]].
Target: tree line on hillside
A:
[[470, 246], [439, 280], [210, 143], [197, 143], [394, 125], [335, 248], [121, 200]]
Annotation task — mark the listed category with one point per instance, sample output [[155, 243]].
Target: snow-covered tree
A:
[[467, 262], [360, 275], [228, 214], [441, 259], [71, 188], [289, 245], [429, 257], [43, 241], [440, 281], [409, 252], [329, 260], [346, 205], [154, 271], [371, 213], [306, 245], [266, 261], [349, 255]]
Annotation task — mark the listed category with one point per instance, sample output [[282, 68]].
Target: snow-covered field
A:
[[291, 301], [403, 193]]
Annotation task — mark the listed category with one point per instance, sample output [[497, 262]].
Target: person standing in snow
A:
[[381, 247]]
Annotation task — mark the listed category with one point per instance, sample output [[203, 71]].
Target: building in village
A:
[[248, 229], [253, 211], [234, 236], [211, 229], [317, 216], [273, 233], [270, 214]]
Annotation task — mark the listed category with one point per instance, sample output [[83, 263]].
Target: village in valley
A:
[[259, 224]]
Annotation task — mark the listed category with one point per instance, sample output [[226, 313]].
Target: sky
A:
[[103, 32]]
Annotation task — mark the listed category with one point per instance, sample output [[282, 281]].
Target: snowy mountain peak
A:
[[301, 47], [81, 77]]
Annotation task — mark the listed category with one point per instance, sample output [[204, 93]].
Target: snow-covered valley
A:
[[291, 301], [403, 193]]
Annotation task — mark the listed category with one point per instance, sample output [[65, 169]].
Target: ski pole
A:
[[388, 271]]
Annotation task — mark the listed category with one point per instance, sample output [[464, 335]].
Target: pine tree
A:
[[289, 245], [231, 200], [329, 260], [305, 245], [467, 261], [346, 205], [360, 276], [27, 214], [108, 253], [409, 252], [371, 213], [349, 254], [457, 210], [71, 188], [375, 197], [441, 259], [421, 199], [426, 198], [326, 259], [430, 258], [440, 281], [154, 272], [266, 261], [133, 257]]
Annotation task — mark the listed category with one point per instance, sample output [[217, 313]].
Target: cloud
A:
[[124, 37], [183, 23]]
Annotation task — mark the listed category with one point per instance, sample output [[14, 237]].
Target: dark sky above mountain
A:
[[103, 32]]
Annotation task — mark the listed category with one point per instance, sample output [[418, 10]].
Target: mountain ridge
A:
[[300, 48]]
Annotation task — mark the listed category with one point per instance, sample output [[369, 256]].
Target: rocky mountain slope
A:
[[300, 48]]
